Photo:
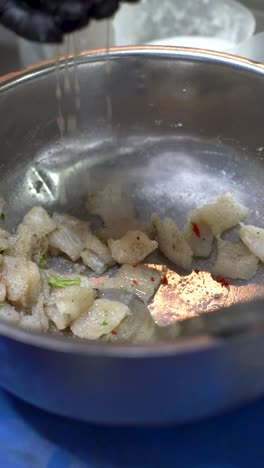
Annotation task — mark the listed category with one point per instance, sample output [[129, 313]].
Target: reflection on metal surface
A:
[[41, 185], [189, 296]]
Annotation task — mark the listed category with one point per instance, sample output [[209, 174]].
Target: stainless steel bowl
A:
[[185, 126]]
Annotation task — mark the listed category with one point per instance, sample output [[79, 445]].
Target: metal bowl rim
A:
[[156, 52], [70, 345]]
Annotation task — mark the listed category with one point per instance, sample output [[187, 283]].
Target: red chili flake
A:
[[164, 280], [222, 281], [225, 282], [135, 265], [1, 277], [114, 332], [196, 229], [152, 279], [135, 282], [196, 271]]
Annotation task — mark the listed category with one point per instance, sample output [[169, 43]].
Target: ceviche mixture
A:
[[37, 297]]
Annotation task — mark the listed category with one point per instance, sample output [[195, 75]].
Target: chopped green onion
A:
[[104, 323], [60, 282], [2, 216], [42, 260]]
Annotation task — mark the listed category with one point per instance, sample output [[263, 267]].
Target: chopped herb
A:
[[42, 260], [105, 323], [2, 216], [60, 282]]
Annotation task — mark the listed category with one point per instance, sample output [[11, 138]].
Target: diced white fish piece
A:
[[45, 290], [37, 320], [27, 244], [70, 235], [198, 235], [172, 242], [116, 211], [103, 317], [99, 248], [134, 247], [23, 281], [9, 314], [66, 305], [38, 311], [21, 243], [110, 204], [31, 323], [2, 289], [39, 221], [4, 240], [234, 260], [222, 213], [94, 262], [253, 238], [137, 327], [96, 255], [141, 280], [30, 240]]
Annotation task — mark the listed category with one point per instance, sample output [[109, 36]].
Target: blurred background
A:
[[213, 24]]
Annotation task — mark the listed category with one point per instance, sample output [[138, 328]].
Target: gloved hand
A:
[[48, 20]]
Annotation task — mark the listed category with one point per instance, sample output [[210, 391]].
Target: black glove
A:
[[48, 20]]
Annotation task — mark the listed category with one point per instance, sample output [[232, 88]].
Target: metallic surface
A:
[[185, 126]]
